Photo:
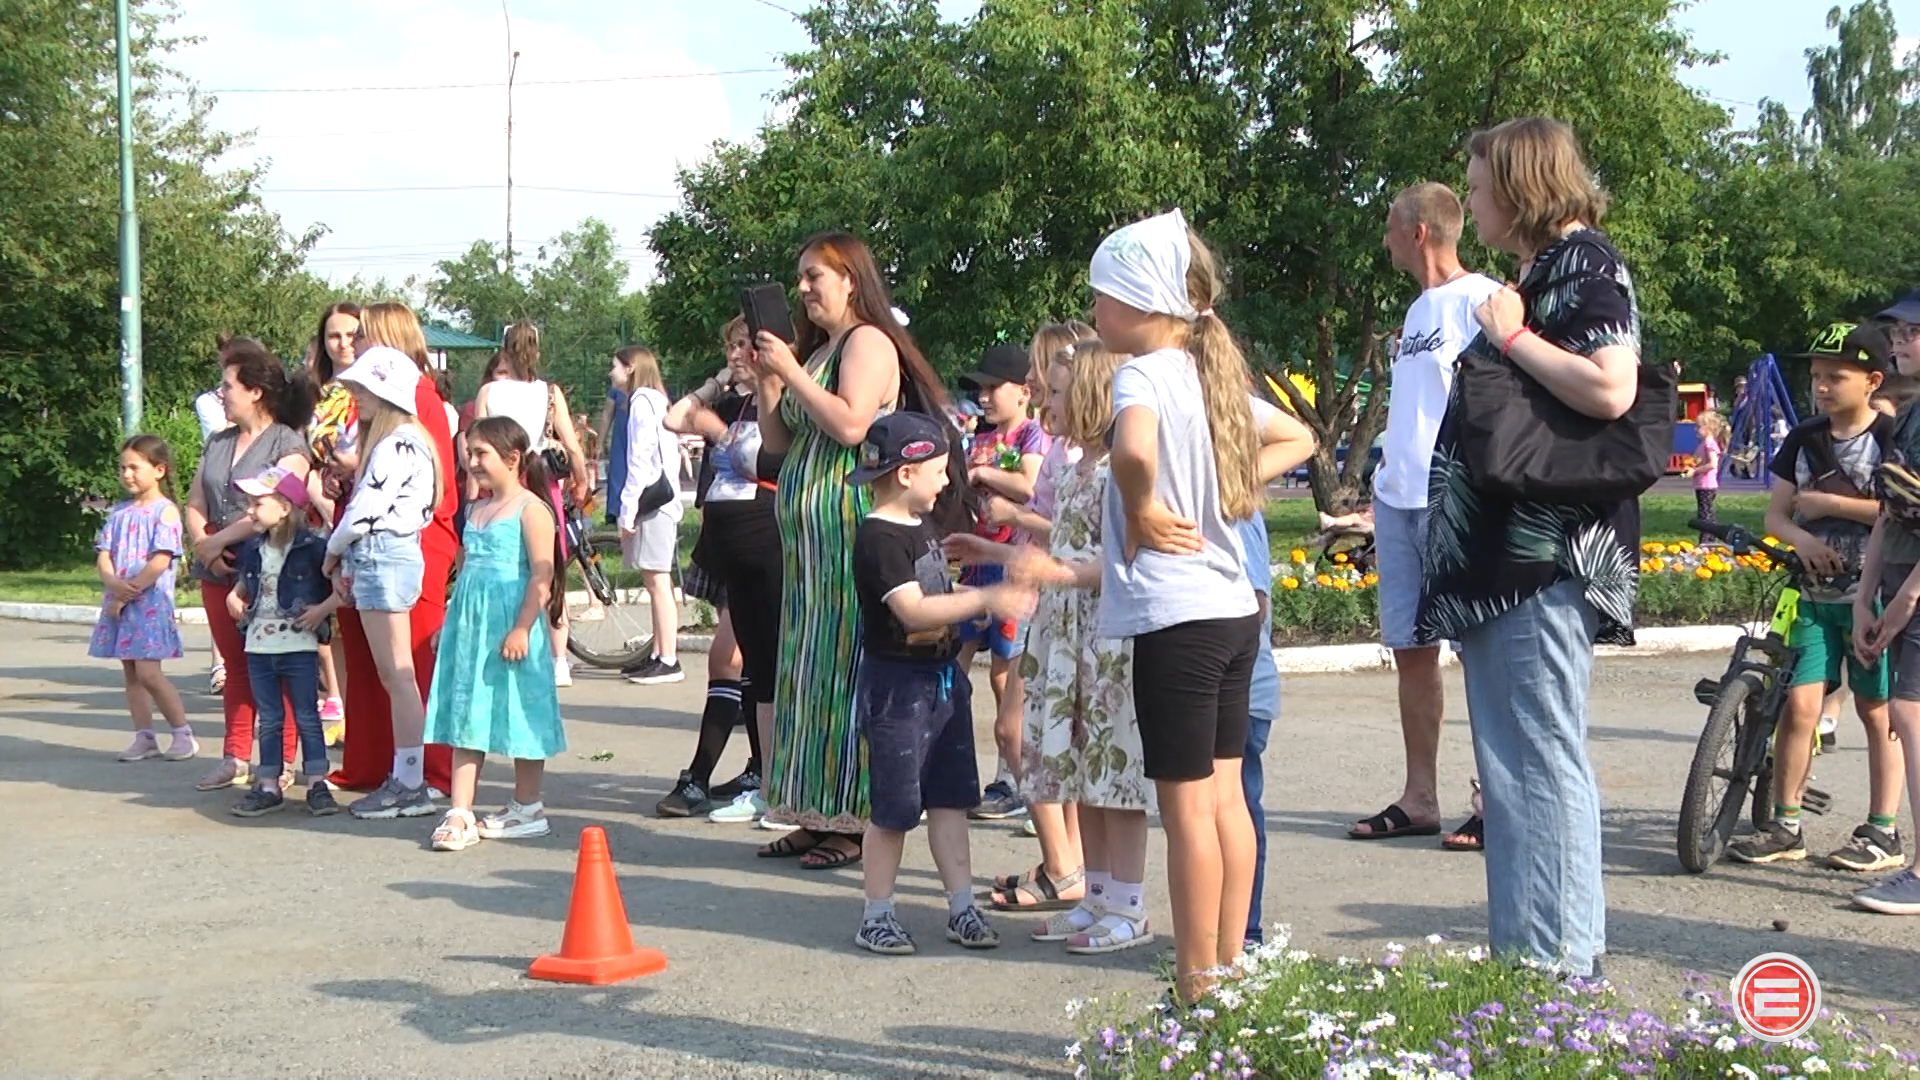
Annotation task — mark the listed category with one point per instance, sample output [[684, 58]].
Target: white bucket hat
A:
[[388, 374]]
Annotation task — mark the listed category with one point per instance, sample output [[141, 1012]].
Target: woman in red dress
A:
[[368, 758]]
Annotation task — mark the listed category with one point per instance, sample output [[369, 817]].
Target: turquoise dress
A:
[[479, 701]]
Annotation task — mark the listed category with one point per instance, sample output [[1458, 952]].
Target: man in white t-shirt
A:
[[1423, 232]]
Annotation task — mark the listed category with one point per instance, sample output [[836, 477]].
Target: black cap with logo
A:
[[902, 438], [1862, 343], [1004, 363]]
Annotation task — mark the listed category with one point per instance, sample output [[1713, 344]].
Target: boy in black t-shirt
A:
[[913, 703]]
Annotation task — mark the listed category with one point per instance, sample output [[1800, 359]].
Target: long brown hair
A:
[[508, 439], [159, 455], [872, 304], [643, 368], [322, 361], [521, 352]]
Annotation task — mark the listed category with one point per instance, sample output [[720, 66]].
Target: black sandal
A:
[[1390, 823], [787, 847], [822, 857], [1471, 836]]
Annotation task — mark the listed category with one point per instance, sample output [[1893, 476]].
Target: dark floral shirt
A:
[[1485, 554]]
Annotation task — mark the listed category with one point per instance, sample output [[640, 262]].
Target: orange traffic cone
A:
[[597, 947]]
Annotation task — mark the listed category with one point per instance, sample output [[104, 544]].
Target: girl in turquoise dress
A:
[[493, 689]]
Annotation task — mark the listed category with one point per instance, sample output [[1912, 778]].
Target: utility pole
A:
[[513, 65], [130, 391]]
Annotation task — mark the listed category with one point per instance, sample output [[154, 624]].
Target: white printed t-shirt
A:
[[1438, 326]]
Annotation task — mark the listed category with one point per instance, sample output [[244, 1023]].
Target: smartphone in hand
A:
[[764, 306]]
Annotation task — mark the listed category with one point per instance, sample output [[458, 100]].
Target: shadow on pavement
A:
[[618, 1014]]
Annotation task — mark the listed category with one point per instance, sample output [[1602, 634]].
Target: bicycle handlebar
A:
[[1743, 542]]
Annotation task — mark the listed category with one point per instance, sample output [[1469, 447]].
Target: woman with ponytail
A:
[[267, 409], [369, 758], [1184, 467]]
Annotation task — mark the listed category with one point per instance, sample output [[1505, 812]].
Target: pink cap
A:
[[277, 480]]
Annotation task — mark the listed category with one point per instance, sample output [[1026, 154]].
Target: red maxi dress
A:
[[368, 758]]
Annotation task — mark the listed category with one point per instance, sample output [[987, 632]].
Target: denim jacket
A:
[[302, 584]]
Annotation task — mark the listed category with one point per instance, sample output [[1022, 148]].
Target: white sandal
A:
[[1113, 933], [457, 831], [1062, 925]]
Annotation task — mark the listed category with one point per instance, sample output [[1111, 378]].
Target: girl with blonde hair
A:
[[1184, 463], [369, 760]]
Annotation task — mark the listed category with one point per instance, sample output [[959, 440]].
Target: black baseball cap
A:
[[1906, 309], [897, 439], [1004, 363], [1856, 343]]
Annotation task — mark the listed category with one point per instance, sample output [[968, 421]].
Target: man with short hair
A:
[[1423, 235]]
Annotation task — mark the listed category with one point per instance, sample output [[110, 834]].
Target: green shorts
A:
[[1824, 635]]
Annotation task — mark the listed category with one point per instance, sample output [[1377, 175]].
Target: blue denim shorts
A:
[[1399, 537], [917, 719], [385, 572], [1004, 639]]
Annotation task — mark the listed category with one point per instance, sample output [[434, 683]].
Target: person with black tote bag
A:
[[1529, 586]]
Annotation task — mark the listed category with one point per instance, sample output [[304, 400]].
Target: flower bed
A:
[[1441, 1012], [1331, 600]]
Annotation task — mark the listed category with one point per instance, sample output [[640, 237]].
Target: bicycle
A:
[[1734, 757], [609, 625]]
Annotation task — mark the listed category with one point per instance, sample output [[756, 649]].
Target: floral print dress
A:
[[144, 628], [1082, 742]]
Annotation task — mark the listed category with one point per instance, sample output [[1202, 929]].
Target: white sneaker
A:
[[516, 822], [746, 807], [562, 672], [771, 825]]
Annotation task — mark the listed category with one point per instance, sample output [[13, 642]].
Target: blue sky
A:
[[613, 145]]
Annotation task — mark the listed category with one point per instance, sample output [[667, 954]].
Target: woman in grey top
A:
[[266, 409]]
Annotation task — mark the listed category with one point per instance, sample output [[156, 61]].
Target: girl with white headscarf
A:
[[1184, 460]]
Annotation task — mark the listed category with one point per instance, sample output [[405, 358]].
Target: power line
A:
[[461, 187], [777, 7], [488, 85]]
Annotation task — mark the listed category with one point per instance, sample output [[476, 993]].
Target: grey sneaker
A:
[[1776, 843], [998, 803], [884, 935], [1898, 895], [1870, 848], [971, 930], [393, 800]]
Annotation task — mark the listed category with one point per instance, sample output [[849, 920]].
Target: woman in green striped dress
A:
[[818, 413]]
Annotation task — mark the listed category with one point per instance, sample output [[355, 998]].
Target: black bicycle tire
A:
[[600, 547], [1761, 813], [1702, 835]]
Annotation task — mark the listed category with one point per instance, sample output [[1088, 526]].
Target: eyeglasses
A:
[[1904, 331]]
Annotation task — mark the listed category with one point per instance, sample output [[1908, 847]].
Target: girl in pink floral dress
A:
[[137, 549]]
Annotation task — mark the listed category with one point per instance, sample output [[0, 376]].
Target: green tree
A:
[[213, 260], [1863, 93]]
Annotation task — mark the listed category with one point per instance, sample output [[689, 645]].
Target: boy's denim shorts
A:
[[917, 719], [1004, 639], [385, 571]]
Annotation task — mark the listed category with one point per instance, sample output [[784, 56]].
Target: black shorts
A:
[[1903, 652], [742, 548], [1190, 693], [916, 717]]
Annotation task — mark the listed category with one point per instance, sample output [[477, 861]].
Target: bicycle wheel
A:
[[1718, 780], [1762, 812], [610, 625]]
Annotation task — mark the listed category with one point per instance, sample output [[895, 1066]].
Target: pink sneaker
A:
[[182, 746], [332, 711], [144, 746]]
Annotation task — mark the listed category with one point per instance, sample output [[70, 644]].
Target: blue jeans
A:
[[280, 678], [1263, 708], [1527, 674]]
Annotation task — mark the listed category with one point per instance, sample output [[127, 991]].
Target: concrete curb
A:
[[1299, 660]]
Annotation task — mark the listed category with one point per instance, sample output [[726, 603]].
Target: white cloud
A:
[[619, 136]]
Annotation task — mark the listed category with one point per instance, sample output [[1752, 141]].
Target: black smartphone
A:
[[764, 306]]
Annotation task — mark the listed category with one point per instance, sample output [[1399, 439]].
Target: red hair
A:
[[872, 304]]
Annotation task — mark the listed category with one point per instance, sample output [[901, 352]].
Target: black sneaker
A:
[[998, 804], [320, 801], [685, 800], [1776, 843], [656, 671], [1870, 848], [736, 787], [259, 800]]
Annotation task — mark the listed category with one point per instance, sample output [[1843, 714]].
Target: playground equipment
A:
[[1757, 427], [1695, 398]]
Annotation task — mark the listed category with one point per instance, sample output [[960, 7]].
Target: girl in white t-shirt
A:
[[1184, 465]]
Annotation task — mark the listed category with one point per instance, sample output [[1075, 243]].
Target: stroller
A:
[[1350, 535]]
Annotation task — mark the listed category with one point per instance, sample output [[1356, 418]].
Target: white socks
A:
[[877, 909], [958, 902], [410, 765], [1129, 899]]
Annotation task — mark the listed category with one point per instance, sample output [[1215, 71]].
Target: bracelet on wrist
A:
[[1507, 345]]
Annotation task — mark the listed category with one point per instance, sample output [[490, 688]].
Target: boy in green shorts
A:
[[1824, 507]]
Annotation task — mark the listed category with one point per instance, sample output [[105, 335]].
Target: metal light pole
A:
[[130, 391], [513, 64]]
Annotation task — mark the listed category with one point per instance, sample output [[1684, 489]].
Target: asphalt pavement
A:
[[150, 933]]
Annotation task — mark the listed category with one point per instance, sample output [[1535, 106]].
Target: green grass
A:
[[72, 585]]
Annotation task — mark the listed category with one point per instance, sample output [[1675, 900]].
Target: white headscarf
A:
[[1144, 266]]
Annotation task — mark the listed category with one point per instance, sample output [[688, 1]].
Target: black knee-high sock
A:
[[716, 725], [750, 716]]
